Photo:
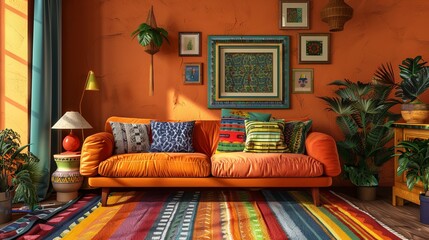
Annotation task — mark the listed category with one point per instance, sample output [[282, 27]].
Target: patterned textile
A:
[[295, 135], [172, 136], [130, 137], [50, 222], [265, 137], [228, 215], [232, 134]]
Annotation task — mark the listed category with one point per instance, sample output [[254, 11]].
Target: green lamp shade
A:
[[91, 82]]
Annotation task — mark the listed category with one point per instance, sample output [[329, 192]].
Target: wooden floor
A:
[[405, 220]]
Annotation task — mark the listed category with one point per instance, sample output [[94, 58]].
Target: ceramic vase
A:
[[67, 180]]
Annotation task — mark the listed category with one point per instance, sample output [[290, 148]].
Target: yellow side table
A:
[[67, 180]]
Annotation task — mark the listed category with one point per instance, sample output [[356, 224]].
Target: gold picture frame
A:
[[302, 80], [192, 73]]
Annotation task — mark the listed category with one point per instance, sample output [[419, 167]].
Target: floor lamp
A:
[[90, 85]]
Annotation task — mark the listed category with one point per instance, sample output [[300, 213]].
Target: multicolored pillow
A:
[[295, 135], [263, 137], [172, 136], [232, 129], [130, 137]]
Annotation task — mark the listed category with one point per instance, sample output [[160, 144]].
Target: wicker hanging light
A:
[[336, 13]]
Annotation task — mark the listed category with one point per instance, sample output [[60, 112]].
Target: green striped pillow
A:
[[264, 137]]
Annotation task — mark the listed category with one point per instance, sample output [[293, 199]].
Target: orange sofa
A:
[[204, 167]]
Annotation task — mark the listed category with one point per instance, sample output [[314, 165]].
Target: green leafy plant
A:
[[146, 35], [413, 159], [365, 120], [415, 79], [17, 169]]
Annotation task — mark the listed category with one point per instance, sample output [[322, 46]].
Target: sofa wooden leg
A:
[[104, 195], [316, 196]]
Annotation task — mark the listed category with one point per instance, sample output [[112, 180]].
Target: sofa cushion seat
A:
[[156, 165], [245, 164]]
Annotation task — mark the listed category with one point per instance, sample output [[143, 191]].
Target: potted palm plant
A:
[[17, 170], [151, 37], [415, 81], [413, 159], [365, 120]]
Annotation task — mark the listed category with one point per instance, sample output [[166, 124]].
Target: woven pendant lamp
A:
[[336, 13]]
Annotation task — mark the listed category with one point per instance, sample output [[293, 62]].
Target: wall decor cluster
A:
[[192, 73], [294, 14], [314, 48], [302, 80], [248, 71], [189, 44]]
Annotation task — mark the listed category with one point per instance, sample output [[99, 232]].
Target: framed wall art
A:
[[314, 48], [248, 72], [294, 14], [189, 44], [192, 73], [302, 80]]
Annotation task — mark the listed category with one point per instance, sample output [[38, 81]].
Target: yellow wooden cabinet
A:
[[404, 131]]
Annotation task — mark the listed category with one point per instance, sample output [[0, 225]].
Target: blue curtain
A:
[[45, 87]]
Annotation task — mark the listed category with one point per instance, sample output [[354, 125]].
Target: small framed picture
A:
[[314, 48], [294, 14], [302, 80], [192, 73], [189, 44]]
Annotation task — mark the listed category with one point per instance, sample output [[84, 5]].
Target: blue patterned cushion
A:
[[130, 137], [172, 136]]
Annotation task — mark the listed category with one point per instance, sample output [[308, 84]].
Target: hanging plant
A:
[[150, 36]]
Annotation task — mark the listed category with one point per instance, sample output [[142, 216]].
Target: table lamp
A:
[[71, 120]]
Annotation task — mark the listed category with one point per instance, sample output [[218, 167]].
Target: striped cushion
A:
[[232, 133], [130, 137], [265, 137], [295, 134]]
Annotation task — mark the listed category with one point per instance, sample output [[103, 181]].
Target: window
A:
[[14, 70]]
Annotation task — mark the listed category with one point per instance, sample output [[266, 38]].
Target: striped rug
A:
[[227, 215]]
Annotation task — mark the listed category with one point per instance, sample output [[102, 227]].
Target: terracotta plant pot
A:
[[367, 193], [424, 209], [415, 113], [5, 207]]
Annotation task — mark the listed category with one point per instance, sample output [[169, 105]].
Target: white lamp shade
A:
[[72, 120]]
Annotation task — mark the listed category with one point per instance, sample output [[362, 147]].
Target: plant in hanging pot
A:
[[365, 120], [413, 159], [151, 37], [17, 170], [415, 81]]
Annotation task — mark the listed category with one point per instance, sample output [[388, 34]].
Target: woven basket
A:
[[336, 13]]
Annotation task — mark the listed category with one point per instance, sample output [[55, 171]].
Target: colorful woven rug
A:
[[227, 215], [45, 223]]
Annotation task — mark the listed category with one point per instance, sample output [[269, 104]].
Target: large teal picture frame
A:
[[248, 72]]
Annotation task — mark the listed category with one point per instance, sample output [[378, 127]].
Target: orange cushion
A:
[[245, 164], [156, 165]]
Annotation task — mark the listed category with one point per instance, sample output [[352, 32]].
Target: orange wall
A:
[[96, 35]]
